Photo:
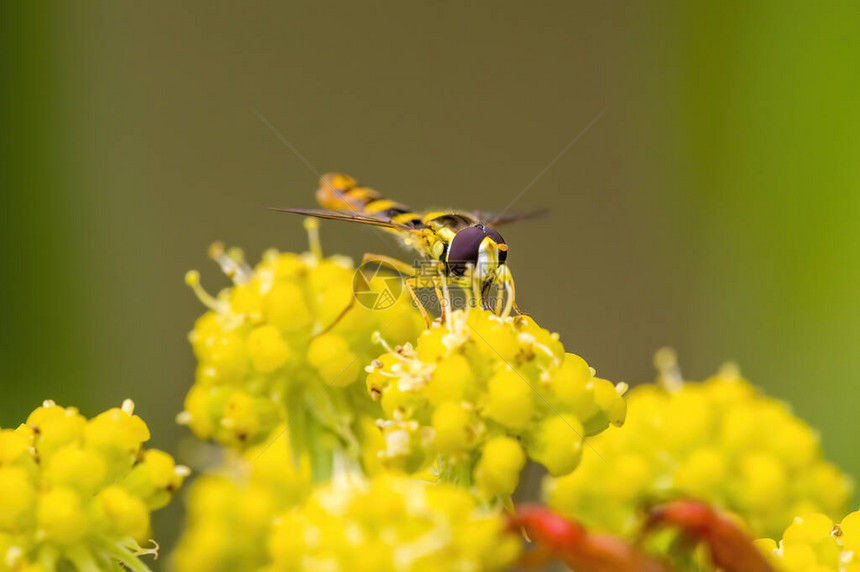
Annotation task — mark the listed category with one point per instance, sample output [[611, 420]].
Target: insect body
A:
[[469, 251]]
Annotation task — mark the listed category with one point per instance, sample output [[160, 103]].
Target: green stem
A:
[[83, 559], [129, 556]]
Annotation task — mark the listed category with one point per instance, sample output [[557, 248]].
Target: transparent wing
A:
[[360, 218], [499, 219]]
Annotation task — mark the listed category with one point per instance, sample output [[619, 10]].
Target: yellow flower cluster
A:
[[260, 512], [812, 543], [275, 346], [481, 394], [231, 512], [391, 523], [78, 492], [719, 441]]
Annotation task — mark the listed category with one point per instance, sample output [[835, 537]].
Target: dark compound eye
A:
[[466, 245]]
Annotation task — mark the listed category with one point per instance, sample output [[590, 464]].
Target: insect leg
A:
[[476, 297], [391, 262], [467, 293], [411, 289], [382, 260], [444, 296], [439, 296], [485, 293], [402, 268], [503, 276], [513, 294], [337, 320], [499, 296]]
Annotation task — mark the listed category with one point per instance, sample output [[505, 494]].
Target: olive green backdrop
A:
[[712, 207]]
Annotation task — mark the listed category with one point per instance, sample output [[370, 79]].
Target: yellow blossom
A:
[[391, 523], [286, 334], [481, 385], [499, 468], [78, 493], [231, 510], [812, 542], [719, 441]]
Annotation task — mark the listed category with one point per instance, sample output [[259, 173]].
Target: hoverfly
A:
[[468, 252]]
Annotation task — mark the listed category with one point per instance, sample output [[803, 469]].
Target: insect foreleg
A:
[[504, 277], [387, 261], [485, 294], [440, 284], [499, 297], [410, 286], [337, 320], [404, 269], [390, 262], [476, 296]]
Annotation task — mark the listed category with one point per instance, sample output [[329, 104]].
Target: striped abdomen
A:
[[343, 193]]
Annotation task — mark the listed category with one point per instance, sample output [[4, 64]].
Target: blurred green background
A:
[[712, 207]]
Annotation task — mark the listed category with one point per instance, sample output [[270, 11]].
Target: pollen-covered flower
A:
[[481, 394], [231, 510], [286, 340], [391, 523], [813, 543], [719, 441], [78, 492], [258, 511]]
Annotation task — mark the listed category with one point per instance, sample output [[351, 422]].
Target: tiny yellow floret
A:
[[77, 493]]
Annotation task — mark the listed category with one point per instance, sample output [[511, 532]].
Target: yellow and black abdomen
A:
[[340, 192]]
